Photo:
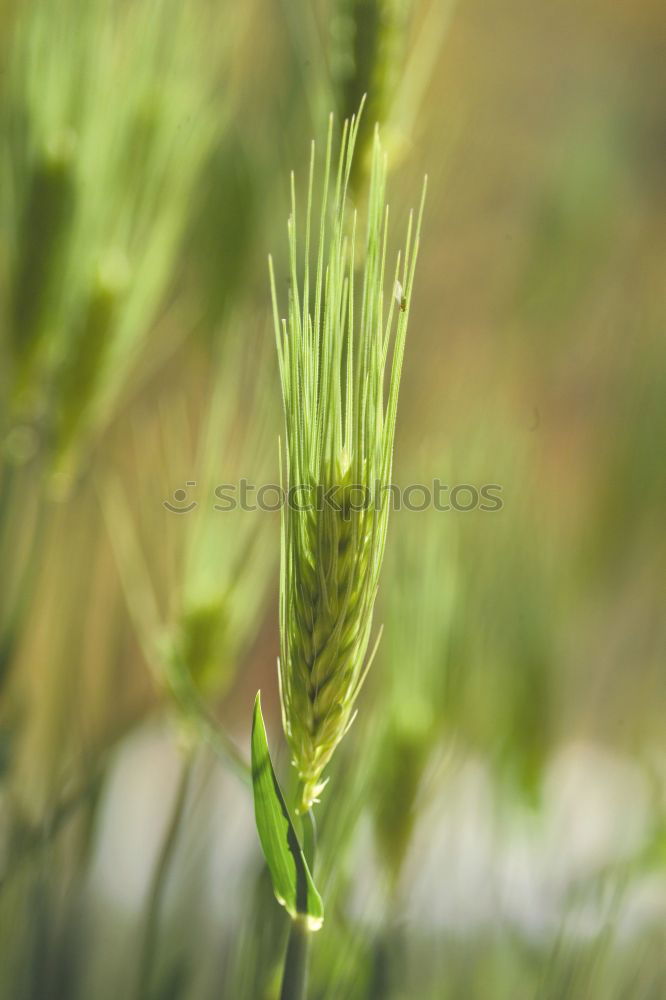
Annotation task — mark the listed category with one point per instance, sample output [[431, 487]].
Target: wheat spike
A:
[[334, 347]]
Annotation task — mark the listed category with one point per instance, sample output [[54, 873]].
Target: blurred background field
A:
[[497, 827]]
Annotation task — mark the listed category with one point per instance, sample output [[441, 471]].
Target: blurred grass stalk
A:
[[386, 50], [420, 683], [108, 115], [196, 619]]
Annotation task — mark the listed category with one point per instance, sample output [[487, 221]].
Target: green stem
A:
[[196, 712], [13, 617], [295, 977], [159, 883], [296, 962], [310, 839]]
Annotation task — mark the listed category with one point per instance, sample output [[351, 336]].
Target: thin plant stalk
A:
[[13, 616], [160, 880], [296, 963], [297, 958]]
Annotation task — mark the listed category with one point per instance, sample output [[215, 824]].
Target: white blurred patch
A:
[[234, 843], [476, 860], [450, 873], [136, 808], [597, 809]]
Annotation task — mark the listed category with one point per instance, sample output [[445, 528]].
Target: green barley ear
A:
[[42, 242], [387, 49], [91, 339], [368, 38], [342, 332], [109, 112]]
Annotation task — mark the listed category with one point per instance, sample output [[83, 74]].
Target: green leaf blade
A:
[[292, 882]]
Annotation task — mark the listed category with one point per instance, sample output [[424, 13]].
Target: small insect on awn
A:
[[400, 297]]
